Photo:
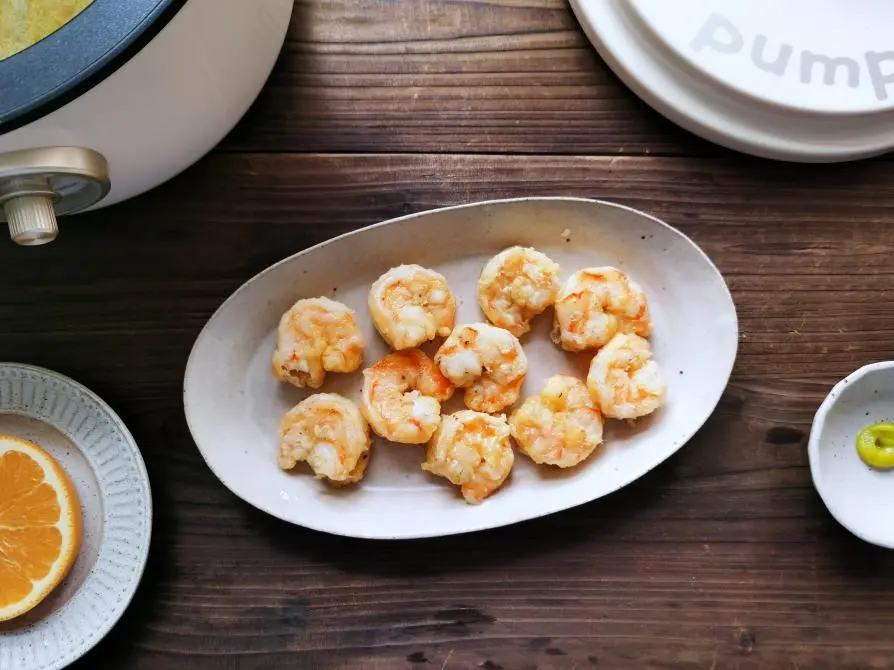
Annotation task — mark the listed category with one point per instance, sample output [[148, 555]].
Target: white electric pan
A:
[[101, 100]]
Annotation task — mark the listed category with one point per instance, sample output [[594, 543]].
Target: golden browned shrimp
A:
[[473, 451], [596, 303], [488, 362], [328, 432], [402, 396], [561, 426], [316, 335], [411, 305], [624, 380], [515, 286]]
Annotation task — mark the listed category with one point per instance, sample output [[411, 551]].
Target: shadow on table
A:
[[852, 559], [503, 546]]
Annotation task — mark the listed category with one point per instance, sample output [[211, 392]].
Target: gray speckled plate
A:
[[96, 449]]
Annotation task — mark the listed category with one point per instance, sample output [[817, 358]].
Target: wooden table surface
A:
[[723, 557]]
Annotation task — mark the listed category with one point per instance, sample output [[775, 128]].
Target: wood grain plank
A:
[[465, 76], [723, 556]]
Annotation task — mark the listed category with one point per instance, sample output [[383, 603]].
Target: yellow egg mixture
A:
[[26, 22]]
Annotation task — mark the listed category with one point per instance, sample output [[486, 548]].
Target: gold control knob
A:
[[37, 185], [32, 220]]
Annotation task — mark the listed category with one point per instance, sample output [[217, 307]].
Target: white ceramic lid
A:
[[802, 80]]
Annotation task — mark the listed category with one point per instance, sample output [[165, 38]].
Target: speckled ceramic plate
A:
[[847, 485], [234, 404], [96, 449]]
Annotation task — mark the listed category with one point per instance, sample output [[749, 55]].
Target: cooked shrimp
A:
[[411, 305], [473, 451], [596, 303], [315, 336], [328, 432], [402, 396], [623, 379], [515, 286], [488, 362], [561, 426]]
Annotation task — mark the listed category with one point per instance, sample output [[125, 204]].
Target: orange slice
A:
[[40, 526]]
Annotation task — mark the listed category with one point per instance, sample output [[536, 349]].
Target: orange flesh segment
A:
[[31, 543]]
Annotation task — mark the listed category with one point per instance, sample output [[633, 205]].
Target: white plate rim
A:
[[142, 496], [471, 528], [677, 94]]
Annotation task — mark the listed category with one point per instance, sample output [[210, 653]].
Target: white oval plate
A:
[[95, 448], [233, 403]]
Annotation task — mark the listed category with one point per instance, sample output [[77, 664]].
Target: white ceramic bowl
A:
[[859, 497]]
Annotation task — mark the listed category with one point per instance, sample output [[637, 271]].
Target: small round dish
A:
[[94, 447], [859, 497]]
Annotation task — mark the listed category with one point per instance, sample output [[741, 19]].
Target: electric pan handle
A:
[[37, 185]]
